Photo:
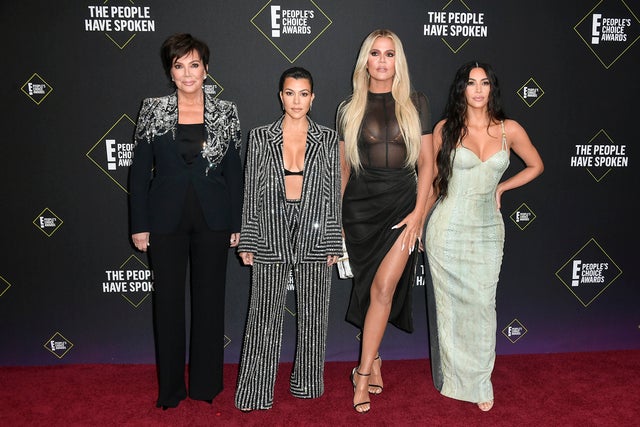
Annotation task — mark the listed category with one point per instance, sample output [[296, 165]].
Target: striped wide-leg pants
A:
[[263, 333]]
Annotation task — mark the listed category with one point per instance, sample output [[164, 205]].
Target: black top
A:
[[160, 177], [287, 172], [380, 143], [190, 139]]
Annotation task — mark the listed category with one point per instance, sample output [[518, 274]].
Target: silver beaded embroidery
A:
[[160, 115]]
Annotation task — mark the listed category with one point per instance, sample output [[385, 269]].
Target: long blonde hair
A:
[[351, 112]]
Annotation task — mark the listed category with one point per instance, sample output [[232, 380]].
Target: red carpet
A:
[[575, 389]]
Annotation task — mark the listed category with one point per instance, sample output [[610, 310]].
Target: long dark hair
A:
[[455, 127]]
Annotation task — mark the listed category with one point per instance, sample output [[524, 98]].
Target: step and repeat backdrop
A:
[[74, 290]]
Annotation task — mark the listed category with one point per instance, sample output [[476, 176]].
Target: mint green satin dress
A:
[[464, 243]]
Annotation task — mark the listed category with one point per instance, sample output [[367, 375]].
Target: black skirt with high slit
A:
[[374, 201]]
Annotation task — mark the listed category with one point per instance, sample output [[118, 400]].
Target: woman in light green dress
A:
[[465, 233]]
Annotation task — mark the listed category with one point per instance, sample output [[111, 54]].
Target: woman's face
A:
[[189, 73], [478, 88], [296, 97], [381, 63]]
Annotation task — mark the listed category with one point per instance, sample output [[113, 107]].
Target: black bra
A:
[[287, 172]]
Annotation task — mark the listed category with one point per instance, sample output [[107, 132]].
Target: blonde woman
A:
[[387, 169]]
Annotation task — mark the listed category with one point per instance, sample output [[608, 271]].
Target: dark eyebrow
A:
[[176, 61]]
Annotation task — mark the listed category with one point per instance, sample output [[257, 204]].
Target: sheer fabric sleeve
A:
[[424, 111]]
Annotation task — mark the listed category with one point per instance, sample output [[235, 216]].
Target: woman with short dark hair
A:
[[186, 200]]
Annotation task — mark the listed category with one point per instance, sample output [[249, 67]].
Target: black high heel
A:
[[353, 381], [377, 386]]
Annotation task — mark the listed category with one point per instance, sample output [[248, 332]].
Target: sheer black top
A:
[[380, 143], [190, 139]]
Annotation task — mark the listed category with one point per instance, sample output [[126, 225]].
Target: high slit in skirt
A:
[[373, 202]]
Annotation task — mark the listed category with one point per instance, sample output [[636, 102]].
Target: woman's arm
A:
[[335, 188], [253, 186], [519, 142], [437, 144], [414, 222], [139, 181]]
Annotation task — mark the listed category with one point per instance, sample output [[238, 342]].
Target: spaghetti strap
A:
[[504, 136]]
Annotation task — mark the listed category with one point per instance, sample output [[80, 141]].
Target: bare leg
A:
[[382, 290]]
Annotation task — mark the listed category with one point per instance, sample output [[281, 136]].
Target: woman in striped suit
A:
[[291, 225]]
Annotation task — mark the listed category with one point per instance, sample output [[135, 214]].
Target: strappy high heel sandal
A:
[[353, 381], [378, 388]]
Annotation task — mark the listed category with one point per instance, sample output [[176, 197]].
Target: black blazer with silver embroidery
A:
[[159, 177]]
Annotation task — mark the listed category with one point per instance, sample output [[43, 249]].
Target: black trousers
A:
[[205, 252]]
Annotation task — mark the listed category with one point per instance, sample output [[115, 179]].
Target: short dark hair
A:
[[179, 45], [296, 73]]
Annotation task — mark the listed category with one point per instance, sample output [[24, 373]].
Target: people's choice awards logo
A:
[[132, 280], [119, 20], [47, 222], [58, 345], [456, 24], [36, 88], [599, 156], [212, 87], [523, 216], [4, 285], [291, 26], [530, 92], [588, 272], [514, 331], [609, 30], [113, 153]]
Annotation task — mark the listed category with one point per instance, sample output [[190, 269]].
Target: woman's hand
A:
[[332, 259], [141, 241], [246, 257], [234, 240], [413, 224], [499, 192]]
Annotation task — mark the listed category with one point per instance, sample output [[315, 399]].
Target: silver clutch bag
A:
[[344, 268]]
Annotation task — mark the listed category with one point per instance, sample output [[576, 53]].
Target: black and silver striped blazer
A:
[[264, 229]]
